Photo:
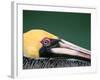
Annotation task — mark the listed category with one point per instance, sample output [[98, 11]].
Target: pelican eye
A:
[[46, 42]]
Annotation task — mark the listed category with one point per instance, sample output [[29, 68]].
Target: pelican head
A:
[[40, 43]]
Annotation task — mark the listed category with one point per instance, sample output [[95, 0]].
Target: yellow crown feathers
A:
[[32, 42]]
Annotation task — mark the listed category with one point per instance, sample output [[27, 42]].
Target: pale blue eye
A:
[[46, 42]]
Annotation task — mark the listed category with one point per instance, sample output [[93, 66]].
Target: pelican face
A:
[[40, 44], [48, 45]]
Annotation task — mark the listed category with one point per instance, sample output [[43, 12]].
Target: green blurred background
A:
[[73, 27]]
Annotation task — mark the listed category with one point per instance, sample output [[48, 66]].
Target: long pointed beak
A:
[[71, 49]]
